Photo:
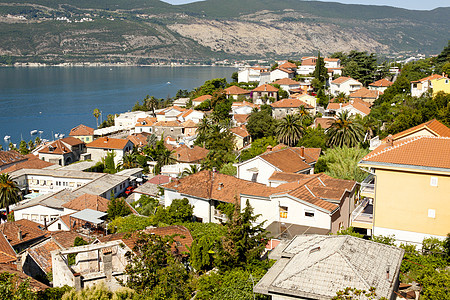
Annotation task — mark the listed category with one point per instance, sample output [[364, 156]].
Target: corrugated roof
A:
[[90, 215]]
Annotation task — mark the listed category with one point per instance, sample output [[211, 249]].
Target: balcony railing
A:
[[368, 184], [363, 212]]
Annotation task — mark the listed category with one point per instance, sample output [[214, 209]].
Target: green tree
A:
[[23, 147], [244, 241], [290, 129], [201, 254], [210, 86], [109, 164], [345, 131], [261, 124], [155, 270], [151, 103], [117, 207], [129, 161], [30, 145], [77, 242], [228, 169], [320, 73], [146, 205], [349, 231], [258, 147], [100, 292], [313, 138], [444, 56], [130, 223], [235, 76], [342, 163], [190, 171], [96, 114], [354, 293], [9, 192], [361, 66], [178, 211]]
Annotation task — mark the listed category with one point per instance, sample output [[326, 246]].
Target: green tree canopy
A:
[[290, 129], [178, 211], [117, 207], [261, 124], [9, 192], [345, 131]]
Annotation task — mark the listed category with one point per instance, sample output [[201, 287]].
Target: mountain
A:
[[147, 31]]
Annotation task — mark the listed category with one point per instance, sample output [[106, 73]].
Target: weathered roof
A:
[[138, 139], [241, 118], [291, 103], [10, 157], [29, 230], [108, 143], [290, 159], [90, 215], [88, 201], [365, 93], [34, 284], [343, 79], [148, 188], [60, 146], [7, 253], [31, 162], [41, 254], [175, 123], [265, 88], [81, 130], [66, 239], [356, 104], [145, 122], [189, 124], [160, 179], [190, 155], [235, 90], [416, 152], [317, 266]]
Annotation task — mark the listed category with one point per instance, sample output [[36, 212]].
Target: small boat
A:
[[41, 131], [7, 138], [33, 132], [61, 135], [56, 135], [168, 82]]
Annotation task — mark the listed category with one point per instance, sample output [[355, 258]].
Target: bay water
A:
[[56, 99]]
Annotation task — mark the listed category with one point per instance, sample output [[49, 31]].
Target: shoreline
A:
[[96, 65]]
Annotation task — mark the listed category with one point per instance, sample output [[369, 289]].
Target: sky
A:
[[408, 4]]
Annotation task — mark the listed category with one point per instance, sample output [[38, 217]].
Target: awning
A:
[[89, 215]]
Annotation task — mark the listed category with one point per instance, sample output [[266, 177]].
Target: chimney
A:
[[387, 271], [302, 151], [269, 148], [106, 139], [389, 141], [19, 235]]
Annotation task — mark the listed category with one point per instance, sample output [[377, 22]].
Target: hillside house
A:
[[354, 107], [280, 73], [423, 85], [199, 100], [440, 85], [366, 95], [237, 93], [63, 152], [344, 85], [103, 145], [144, 125], [289, 107], [380, 85], [288, 84], [252, 74], [241, 137], [82, 132], [263, 92]]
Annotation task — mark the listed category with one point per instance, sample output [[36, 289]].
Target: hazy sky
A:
[[409, 4]]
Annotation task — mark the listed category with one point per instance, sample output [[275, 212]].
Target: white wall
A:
[[37, 214], [202, 208], [264, 170], [278, 74], [51, 184], [97, 154], [269, 209], [55, 227], [402, 236]]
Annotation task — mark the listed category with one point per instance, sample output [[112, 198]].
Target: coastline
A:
[[88, 64]]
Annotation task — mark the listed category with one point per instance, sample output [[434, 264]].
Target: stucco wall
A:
[[202, 208], [264, 170]]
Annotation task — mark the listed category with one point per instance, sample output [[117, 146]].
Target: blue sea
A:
[[56, 99]]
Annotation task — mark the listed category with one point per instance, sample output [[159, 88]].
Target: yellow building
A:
[[411, 191], [440, 85], [83, 132]]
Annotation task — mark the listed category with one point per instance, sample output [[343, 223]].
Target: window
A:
[[254, 177], [432, 213], [34, 218], [283, 212], [309, 213], [59, 226], [434, 181], [54, 217], [26, 216]]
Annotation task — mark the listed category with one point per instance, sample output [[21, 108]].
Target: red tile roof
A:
[[382, 83], [289, 159], [88, 201], [355, 103], [235, 90], [167, 124], [241, 118], [81, 130], [265, 88], [7, 253], [60, 146], [10, 157], [433, 126], [160, 179], [66, 239], [323, 122], [291, 103], [240, 131], [41, 254], [189, 124], [288, 65], [286, 81], [108, 143], [22, 277], [190, 155], [32, 162], [285, 70], [138, 139], [244, 103], [421, 151], [365, 93], [202, 98], [30, 230], [343, 79], [431, 77], [145, 122]]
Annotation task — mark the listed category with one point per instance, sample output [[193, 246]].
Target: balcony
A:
[[362, 216], [220, 216], [368, 187]]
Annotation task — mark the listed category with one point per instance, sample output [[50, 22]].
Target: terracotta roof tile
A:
[[235, 90], [285, 70], [202, 98], [66, 239], [190, 155], [240, 131], [41, 254], [265, 88], [288, 65], [88, 201], [342, 79], [291, 103], [30, 231], [56, 147], [433, 126], [241, 118], [421, 151], [365, 93], [34, 284], [108, 143], [431, 77], [286, 81], [357, 104], [32, 162], [160, 179], [81, 130], [244, 103], [10, 157], [189, 124], [145, 122], [7, 253], [138, 139], [382, 83], [290, 159], [167, 124]]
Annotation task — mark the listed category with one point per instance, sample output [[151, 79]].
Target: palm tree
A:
[[345, 131], [129, 160], [151, 103], [290, 130], [96, 114], [9, 192], [191, 170]]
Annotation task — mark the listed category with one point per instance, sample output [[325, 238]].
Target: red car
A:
[[129, 190]]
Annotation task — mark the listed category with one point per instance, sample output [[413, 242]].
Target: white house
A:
[[200, 100], [243, 108], [101, 146], [129, 119], [423, 85], [288, 84], [169, 113], [280, 73], [344, 85], [251, 74], [380, 85], [144, 125], [288, 159], [190, 114]]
